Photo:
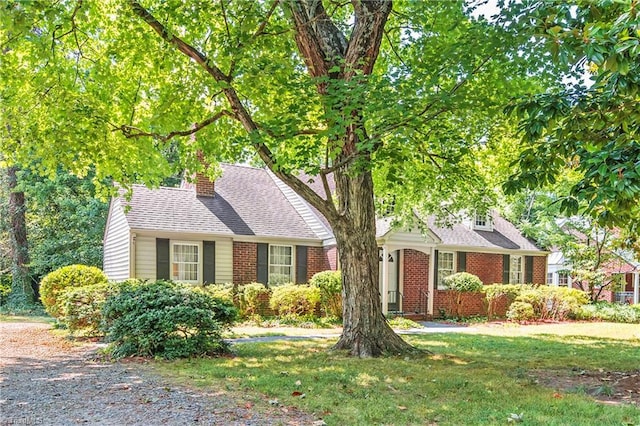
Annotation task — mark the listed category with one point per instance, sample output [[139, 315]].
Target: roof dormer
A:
[[482, 222]]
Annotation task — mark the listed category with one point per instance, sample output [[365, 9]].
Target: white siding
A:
[[116, 243], [224, 261], [145, 257]]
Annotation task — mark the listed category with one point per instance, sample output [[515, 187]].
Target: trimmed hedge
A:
[[605, 311], [167, 320], [330, 285], [54, 283], [253, 299], [292, 300], [458, 283]]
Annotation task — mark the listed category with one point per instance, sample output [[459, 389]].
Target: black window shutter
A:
[[301, 264], [208, 262], [506, 261], [262, 263], [462, 261], [435, 269], [162, 259], [528, 269]]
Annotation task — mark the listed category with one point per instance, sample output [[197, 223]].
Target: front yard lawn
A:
[[472, 379]]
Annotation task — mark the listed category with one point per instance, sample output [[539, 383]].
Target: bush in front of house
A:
[[330, 285], [167, 320], [494, 292], [293, 300], [613, 312], [81, 307], [221, 291], [54, 283], [521, 311], [253, 299], [552, 303], [459, 283]]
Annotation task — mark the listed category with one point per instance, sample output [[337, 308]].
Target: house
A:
[[248, 226], [619, 266]]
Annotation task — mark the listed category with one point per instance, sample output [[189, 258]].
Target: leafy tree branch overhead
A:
[[593, 130]]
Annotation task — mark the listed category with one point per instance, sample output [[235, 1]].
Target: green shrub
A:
[[604, 311], [5, 288], [224, 292], [330, 285], [521, 311], [494, 292], [54, 283], [458, 283], [553, 303], [253, 299], [166, 319], [463, 282], [294, 300], [81, 307]]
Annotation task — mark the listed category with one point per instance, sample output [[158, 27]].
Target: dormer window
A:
[[482, 222]]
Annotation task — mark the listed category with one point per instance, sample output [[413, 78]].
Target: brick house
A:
[[248, 226]]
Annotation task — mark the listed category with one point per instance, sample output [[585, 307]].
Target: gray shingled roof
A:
[[504, 236], [247, 202]]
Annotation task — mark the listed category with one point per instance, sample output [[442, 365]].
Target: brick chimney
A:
[[203, 186]]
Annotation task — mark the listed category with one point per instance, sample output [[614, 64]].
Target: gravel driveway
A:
[[46, 380]]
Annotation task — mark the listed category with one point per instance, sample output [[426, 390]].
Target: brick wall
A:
[[539, 270], [415, 281], [245, 258], [244, 262], [317, 261], [487, 266], [331, 254], [470, 304]]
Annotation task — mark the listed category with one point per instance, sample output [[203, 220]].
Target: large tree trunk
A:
[[22, 293], [366, 332]]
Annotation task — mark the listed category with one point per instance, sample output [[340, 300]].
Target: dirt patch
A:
[[611, 387]]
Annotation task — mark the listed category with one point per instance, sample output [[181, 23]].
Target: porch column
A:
[[636, 287], [569, 282], [385, 279], [431, 280]]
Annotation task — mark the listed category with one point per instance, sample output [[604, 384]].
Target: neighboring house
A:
[[249, 226], [620, 266]]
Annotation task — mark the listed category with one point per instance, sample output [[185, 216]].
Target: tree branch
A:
[[364, 44], [134, 132], [430, 105], [239, 111]]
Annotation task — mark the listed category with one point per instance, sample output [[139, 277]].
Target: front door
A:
[[394, 296]]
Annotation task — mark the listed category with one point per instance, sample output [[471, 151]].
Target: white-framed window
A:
[[482, 222], [185, 262], [280, 264], [445, 267], [515, 270], [549, 278], [563, 278]]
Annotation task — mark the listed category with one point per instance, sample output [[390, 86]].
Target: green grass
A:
[[470, 380], [39, 317]]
